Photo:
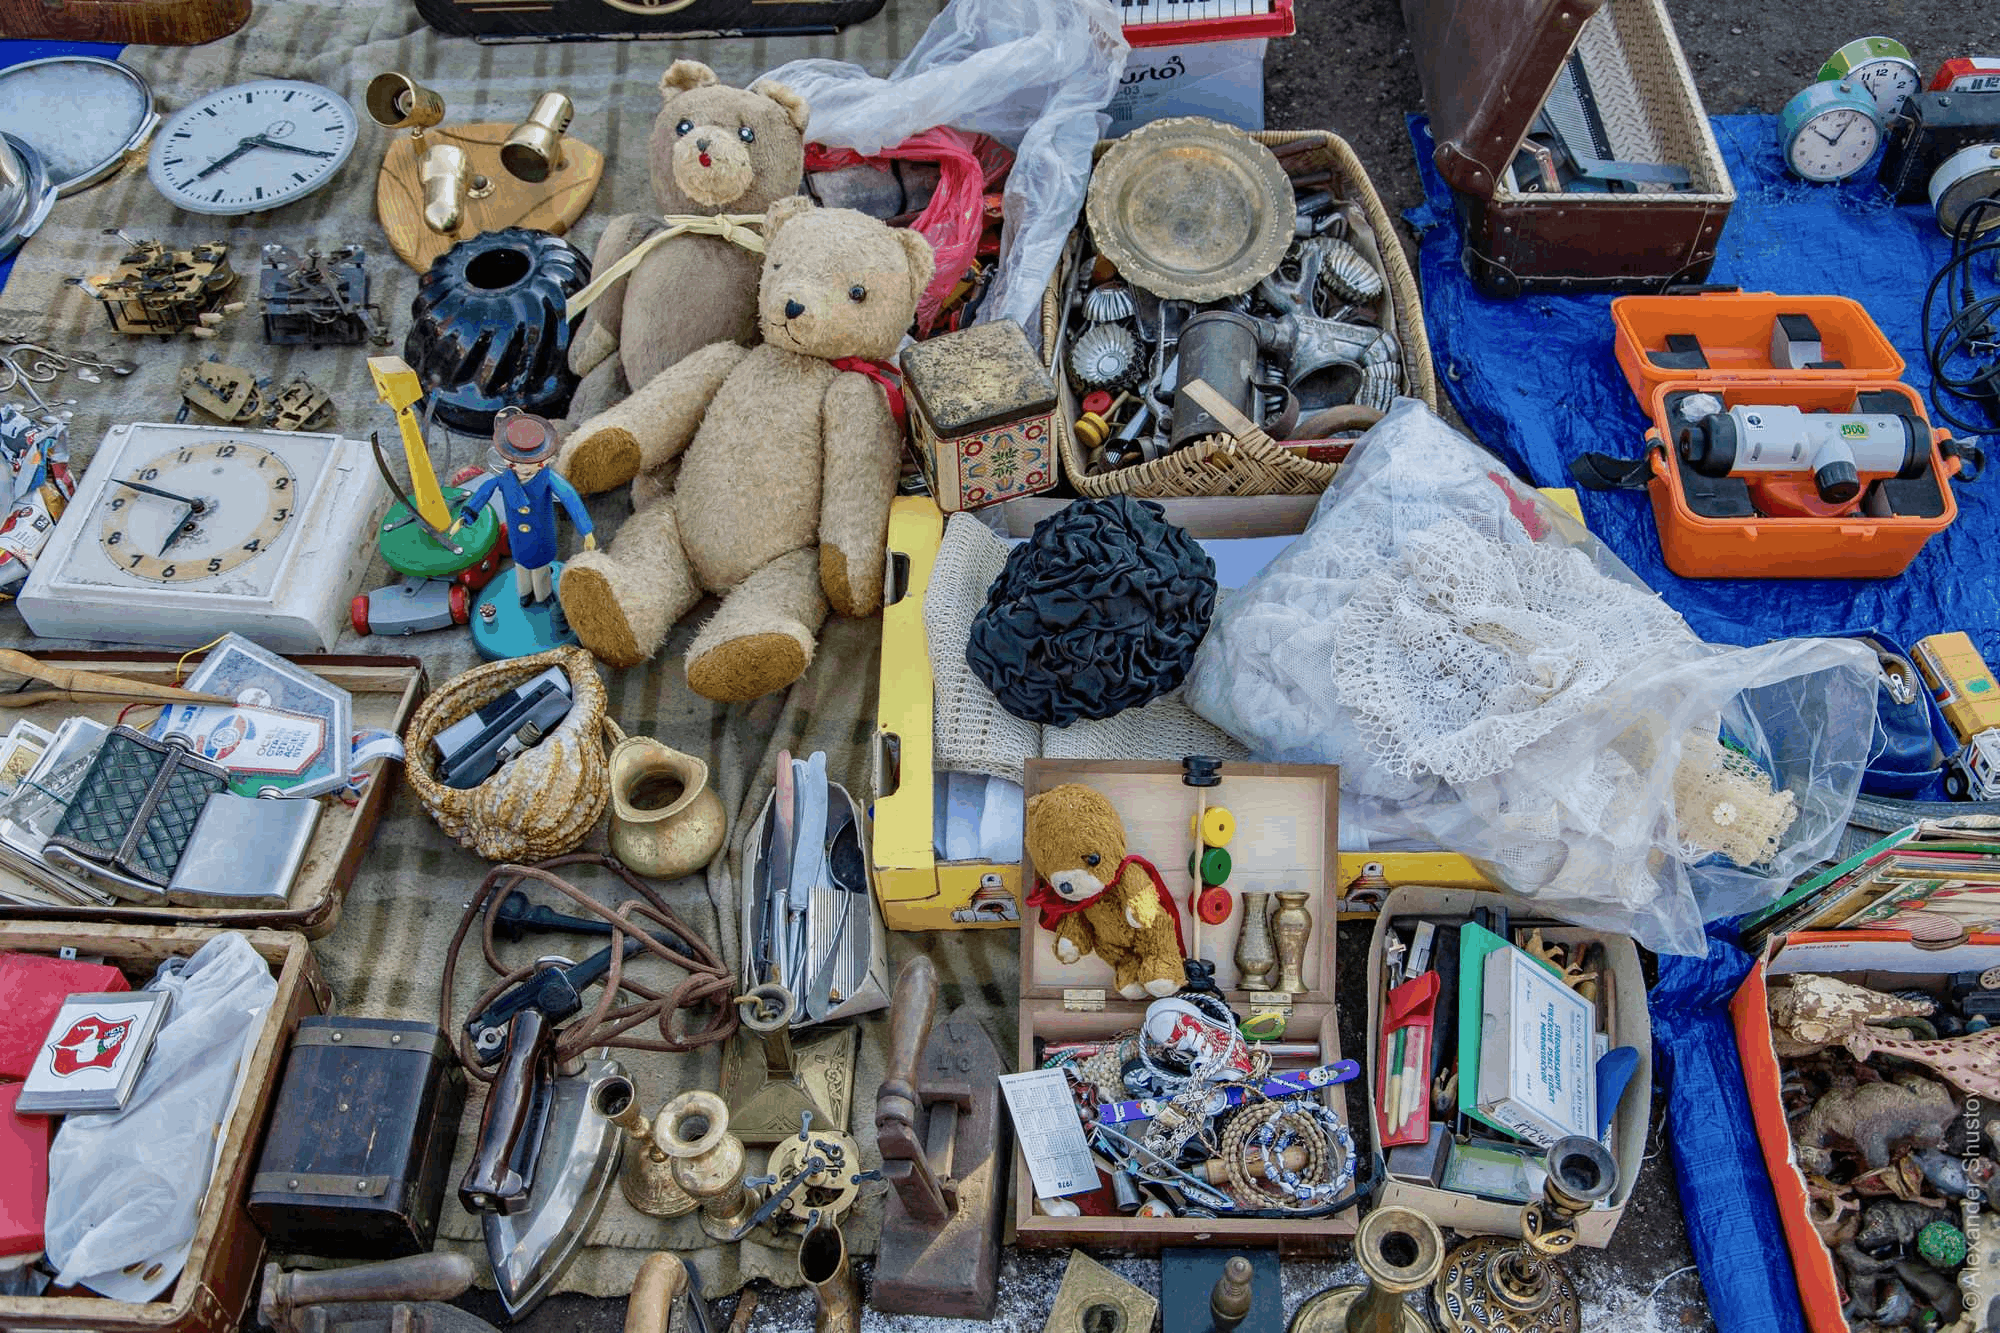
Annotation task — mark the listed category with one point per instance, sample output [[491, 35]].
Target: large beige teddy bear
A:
[[787, 465], [715, 149]]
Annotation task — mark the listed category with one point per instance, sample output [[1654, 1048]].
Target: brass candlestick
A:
[[1400, 1251], [693, 1129], [1492, 1285], [647, 1174], [1254, 955], [1291, 926]]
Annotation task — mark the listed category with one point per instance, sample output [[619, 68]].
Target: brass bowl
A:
[[1189, 208]]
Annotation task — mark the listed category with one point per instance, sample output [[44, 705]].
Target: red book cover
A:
[[32, 987], [24, 1174]]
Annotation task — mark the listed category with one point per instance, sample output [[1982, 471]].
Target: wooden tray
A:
[[386, 691], [212, 1294], [1287, 837]]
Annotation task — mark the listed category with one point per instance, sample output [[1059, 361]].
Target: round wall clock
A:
[[1829, 131], [251, 147]]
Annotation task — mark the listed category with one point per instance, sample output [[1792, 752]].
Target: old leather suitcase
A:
[[1487, 66], [361, 1139]]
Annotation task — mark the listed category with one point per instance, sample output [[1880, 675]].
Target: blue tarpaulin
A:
[[1535, 381]]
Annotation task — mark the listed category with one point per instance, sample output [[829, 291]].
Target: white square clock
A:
[[180, 533]]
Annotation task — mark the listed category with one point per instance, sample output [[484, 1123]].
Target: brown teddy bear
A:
[[788, 456], [1099, 899], [714, 149]]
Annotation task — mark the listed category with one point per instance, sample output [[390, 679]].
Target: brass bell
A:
[[534, 149]]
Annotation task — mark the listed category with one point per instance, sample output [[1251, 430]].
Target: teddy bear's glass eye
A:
[[684, 127], [1090, 858], [859, 293], [747, 135]]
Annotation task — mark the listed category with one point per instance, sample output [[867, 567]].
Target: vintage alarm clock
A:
[[1967, 74], [1964, 179], [251, 147], [1881, 66], [179, 533], [1829, 131]]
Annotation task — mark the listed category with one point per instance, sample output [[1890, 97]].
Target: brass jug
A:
[[666, 821]]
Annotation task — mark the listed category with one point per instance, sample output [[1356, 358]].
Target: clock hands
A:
[[244, 145], [193, 505]]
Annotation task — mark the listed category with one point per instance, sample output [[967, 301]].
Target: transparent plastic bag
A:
[[126, 1187], [1491, 678], [1034, 74]]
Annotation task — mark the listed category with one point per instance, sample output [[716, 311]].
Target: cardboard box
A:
[[1881, 960], [916, 889], [1287, 831], [1221, 80], [1629, 1026]]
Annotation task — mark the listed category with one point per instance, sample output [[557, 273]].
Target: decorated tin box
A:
[[982, 411]]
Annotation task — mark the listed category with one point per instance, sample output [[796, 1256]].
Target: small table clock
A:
[[1829, 131], [180, 533]]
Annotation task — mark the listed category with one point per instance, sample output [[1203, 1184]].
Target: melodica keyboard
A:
[[1171, 22]]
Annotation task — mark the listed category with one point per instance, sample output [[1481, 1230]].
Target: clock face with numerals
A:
[[252, 146], [197, 512]]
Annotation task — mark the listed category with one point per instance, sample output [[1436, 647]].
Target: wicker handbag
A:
[[545, 801], [1214, 466]]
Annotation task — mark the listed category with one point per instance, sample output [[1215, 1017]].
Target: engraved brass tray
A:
[[1191, 209]]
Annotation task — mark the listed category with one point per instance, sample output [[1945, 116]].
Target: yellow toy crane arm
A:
[[396, 384]]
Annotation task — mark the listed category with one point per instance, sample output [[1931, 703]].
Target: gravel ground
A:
[[1349, 70]]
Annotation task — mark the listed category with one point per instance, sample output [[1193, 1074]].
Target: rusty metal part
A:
[[662, 1281], [746, 1306], [939, 1128], [707, 984], [157, 290], [289, 1302], [693, 1129], [227, 393], [836, 1292], [298, 405], [1190, 208], [1400, 1251]]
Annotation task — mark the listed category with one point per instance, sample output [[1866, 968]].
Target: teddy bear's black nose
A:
[[701, 145], [793, 310]]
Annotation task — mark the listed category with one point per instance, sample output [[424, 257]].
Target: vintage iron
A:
[[581, 1145], [768, 1078], [938, 1122], [398, 1296], [693, 1129], [1400, 1251], [1495, 1285]]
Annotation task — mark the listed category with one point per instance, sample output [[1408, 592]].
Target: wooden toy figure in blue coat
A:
[[529, 492]]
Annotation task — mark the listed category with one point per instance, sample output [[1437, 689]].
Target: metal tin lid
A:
[[971, 379], [1486, 67], [1190, 208], [83, 115], [25, 193]]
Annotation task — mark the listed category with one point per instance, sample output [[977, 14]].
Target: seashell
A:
[[1345, 273], [1109, 303], [1104, 356]]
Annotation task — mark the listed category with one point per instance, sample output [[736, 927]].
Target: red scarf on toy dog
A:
[[1054, 907]]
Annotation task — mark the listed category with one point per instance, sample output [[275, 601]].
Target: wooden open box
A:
[[213, 1292], [386, 691], [1287, 827]]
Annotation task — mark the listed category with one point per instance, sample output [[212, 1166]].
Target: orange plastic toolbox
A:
[[1723, 344]]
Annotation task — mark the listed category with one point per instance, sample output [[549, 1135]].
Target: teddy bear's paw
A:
[[747, 668], [1157, 988], [1135, 991], [590, 604], [1067, 952], [598, 459], [1141, 913]]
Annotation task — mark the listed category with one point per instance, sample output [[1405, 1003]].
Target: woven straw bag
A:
[[1211, 466], [545, 801]]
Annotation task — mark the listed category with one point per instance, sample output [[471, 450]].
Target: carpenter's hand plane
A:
[[938, 1121]]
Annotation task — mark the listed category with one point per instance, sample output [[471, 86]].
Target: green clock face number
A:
[[208, 509]]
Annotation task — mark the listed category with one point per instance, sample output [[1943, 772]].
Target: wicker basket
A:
[[1211, 467], [546, 801]]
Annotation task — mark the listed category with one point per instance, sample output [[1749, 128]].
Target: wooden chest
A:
[[1286, 839], [1488, 66], [361, 1139]]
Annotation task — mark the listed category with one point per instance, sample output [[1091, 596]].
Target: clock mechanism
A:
[[178, 533], [252, 147]]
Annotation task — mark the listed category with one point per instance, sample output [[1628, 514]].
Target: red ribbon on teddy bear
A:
[[1054, 907]]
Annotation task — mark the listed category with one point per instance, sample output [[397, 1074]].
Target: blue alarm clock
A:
[[1830, 130]]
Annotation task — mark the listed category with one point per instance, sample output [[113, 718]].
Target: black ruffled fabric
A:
[[1099, 611]]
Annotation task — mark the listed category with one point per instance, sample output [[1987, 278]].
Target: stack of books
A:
[[1937, 881]]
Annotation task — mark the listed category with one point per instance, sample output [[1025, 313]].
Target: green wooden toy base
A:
[[409, 548], [513, 630]]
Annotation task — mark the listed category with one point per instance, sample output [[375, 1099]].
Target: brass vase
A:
[[1291, 926], [1255, 956], [666, 821]]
